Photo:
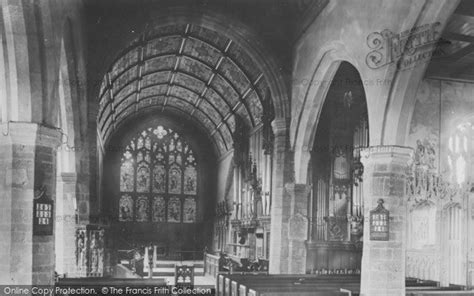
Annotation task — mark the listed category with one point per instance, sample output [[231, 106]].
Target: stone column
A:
[[66, 225], [383, 262], [288, 210], [27, 159], [297, 227], [279, 208]]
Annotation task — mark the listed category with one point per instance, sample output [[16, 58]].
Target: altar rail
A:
[[211, 264]]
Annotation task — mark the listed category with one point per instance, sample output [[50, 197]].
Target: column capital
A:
[[30, 134], [385, 154], [68, 177], [299, 188], [279, 126]]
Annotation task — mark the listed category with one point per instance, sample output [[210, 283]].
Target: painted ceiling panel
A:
[[233, 74], [201, 51], [226, 134], [255, 106], [186, 69], [125, 113], [231, 123], [182, 92], [177, 102], [125, 103], [125, 91], [151, 101], [204, 119], [124, 79], [211, 111], [153, 90], [225, 91], [195, 67], [217, 101], [189, 82], [156, 78], [159, 63], [125, 62]]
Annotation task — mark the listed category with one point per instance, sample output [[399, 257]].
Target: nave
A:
[[320, 147]]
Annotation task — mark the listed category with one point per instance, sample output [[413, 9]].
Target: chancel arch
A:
[[336, 203], [158, 176]]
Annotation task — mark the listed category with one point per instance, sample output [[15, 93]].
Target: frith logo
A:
[[406, 48]]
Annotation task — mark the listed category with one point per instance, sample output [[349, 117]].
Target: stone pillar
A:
[[288, 210], [279, 208], [66, 225], [383, 262], [297, 227], [27, 159]]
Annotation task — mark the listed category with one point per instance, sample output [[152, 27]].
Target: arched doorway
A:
[[335, 174]]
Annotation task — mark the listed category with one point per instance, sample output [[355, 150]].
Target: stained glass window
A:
[[189, 210], [158, 178], [142, 209], [174, 209], [459, 145], [126, 208], [159, 209]]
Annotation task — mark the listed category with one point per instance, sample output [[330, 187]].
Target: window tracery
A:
[[158, 178]]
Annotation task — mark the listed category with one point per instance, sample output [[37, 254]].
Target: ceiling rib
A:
[[188, 61]]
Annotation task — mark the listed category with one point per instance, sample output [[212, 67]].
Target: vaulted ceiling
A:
[[187, 68]]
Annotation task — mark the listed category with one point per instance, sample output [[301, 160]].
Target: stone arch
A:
[[314, 98], [221, 23], [68, 100], [66, 112], [17, 68], [401, 94]]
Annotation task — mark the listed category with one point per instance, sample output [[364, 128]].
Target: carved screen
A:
[[158, 178], [422, 226]]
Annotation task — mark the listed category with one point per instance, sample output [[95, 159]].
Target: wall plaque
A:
[[42, 213], [379, 223]]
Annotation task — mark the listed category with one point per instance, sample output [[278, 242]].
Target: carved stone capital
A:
[[29, 134], [387, 154], [279, 126]]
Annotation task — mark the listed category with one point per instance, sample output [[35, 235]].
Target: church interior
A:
[[271, 147]]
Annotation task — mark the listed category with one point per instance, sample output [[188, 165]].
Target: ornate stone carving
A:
[[423, 265], [90, 251]]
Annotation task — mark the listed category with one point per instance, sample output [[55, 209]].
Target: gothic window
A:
[[458, 148], [158, 178], [126, 208]]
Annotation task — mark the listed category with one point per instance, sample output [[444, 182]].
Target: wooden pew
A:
[[101, 281], [241, 285]]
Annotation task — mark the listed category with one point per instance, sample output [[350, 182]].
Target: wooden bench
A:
[[101, 281], [243, 285]]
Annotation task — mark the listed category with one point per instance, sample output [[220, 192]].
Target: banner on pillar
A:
[[379, 223], [42, 213]]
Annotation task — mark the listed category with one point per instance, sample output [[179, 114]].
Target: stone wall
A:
[[441, 134]]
